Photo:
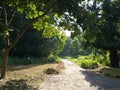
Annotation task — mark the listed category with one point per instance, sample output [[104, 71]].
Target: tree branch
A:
[[24, 29], [12, 16], [5, 20], [5, 14]]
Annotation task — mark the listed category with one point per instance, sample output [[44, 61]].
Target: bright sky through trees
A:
[[68, 33]]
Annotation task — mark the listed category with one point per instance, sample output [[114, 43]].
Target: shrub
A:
[[68, 57], [89, 64], [31, 60]]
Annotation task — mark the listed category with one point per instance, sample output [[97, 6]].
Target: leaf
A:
[[40, 13]]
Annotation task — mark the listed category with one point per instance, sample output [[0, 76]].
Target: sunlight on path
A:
[[76, 78]]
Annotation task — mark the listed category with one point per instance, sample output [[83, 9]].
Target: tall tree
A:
[[33, 10], [100, 25]]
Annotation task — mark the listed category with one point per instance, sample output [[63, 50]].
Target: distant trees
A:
[[74, 47]]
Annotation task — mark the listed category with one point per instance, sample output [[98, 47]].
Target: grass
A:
[[31, 60], [32, 74], [28, 76], [111, 72], [24, 76]]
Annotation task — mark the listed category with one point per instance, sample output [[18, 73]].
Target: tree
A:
[[33, 10], [100, 25], [42, 45], [34, 44], [74, 46]]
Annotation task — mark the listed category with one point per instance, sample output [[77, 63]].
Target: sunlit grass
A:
[[111, 72]]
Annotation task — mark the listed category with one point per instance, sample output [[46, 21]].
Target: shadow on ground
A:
[[103, 83], [17, 85]]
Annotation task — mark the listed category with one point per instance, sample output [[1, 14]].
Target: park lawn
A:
[[29, 75]]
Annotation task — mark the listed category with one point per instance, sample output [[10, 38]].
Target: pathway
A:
[[76, 78]]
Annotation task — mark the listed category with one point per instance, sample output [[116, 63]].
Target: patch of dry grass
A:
[[32, 74]]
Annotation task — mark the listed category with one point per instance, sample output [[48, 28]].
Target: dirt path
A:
[[76, 78]]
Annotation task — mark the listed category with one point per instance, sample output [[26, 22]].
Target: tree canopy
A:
[[100, 24]]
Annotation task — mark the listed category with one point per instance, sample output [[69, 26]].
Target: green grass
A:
[[111, 72], [31, 60]]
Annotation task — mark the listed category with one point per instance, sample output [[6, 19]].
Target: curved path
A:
[[76, 78]]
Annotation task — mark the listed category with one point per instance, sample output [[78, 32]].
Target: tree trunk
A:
[[4, 63], [114, 62]]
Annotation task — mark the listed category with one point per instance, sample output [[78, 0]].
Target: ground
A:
[[75, 78], [25, 76], [70, 77]]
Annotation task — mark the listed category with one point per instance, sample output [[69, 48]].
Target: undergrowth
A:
[[31, 60], [90, 62]]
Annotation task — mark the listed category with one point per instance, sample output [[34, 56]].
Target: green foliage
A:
[[68, 57], [104, 60], [100, 26], [74, 47], [46, 24], [89, 64], [46, 41], [31, 60], [101, 56], [32, 11], [91, 61], [40, 46]]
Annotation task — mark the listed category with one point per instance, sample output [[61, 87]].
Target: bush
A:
[[104, 61], [31, 60], [54, 59], [86, 62], [68, 57], [89, 64]]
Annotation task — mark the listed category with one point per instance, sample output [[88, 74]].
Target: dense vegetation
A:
[[74, 47], [88, 58]]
